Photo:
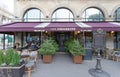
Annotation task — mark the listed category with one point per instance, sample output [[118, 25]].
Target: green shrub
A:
[[9, 57], [74, 47], [49, 47], [15, 59], [1, 57]]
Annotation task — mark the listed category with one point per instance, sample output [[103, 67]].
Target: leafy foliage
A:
[[1, 57], [9, 57], [49, 47], [15, 59], [74, 47]]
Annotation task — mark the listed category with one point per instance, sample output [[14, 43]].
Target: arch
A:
[[69, 14], [62, 6], [33, 14], [114, 9], [29, 6], [101, 8], [96, 15]]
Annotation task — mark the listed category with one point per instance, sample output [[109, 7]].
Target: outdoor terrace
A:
[[63, 66]]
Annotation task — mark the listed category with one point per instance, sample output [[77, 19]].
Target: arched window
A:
[[93, 14], [117, 15], [62, 14], [33, 15]]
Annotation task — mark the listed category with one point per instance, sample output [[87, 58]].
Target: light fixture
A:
[[46, 32], [78, 32], [112, 32]]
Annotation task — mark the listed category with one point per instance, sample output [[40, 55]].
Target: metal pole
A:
[[41, 37], [4, 41], [84, 38]]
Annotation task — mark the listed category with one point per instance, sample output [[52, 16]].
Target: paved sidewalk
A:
[[63, 66]]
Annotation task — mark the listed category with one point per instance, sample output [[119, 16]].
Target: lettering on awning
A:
[[63, 29]]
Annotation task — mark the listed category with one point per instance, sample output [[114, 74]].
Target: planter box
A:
[[77, 59], [47, 58], [13, 71]]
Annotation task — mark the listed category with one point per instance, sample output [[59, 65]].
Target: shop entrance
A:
[[61, 37]]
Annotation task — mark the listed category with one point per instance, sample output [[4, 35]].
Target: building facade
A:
[[5, 16], [77, 10], [77, 7], [85, 12], [6, 39]]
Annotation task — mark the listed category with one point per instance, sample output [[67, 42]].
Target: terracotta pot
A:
[[77, 59], [47, 58]]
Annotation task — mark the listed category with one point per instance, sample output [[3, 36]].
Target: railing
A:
[[60, 20]]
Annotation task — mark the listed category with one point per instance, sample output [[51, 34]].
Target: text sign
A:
[[99, 39], [63, 29]]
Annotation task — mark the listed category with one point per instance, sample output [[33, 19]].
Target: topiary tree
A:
[[47, 48]]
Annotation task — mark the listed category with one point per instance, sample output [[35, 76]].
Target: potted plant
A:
[[1, 57], [47, 49], [77, 51], [10, 59]]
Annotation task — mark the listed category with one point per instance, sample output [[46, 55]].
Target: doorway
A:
[[60, 38]]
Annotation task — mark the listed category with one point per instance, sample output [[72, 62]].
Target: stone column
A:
[[0, 19]]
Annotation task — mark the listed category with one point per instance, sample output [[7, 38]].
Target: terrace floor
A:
[[63, 66]]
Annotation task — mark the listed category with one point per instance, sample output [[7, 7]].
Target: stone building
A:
[[5, 16], [65, 19]]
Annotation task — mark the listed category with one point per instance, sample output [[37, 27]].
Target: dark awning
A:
[[59, 26], [19, 27], [107, 26]]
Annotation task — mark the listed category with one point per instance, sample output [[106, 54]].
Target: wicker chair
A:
[[109, 53], [116, 56], [31, 63]]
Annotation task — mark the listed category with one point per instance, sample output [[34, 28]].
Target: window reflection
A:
[[92, 14], [117, 15], [33, 15], [62, 15]]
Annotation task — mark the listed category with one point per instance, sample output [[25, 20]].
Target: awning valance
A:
[[59, 26], [107, 26], [19, 27]]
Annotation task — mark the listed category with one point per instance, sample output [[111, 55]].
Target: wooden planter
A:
[[47, 58], [13, 71], [77, 59]]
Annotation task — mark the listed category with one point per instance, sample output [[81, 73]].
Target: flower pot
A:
[[9, 71], [77, 59], [47, 58]]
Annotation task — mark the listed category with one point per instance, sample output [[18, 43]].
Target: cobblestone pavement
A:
[[63, 66]]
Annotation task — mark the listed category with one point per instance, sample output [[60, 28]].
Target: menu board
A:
[[99, 40]]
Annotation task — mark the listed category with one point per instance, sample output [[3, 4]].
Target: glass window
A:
[[92, 14], [33, 15], [62, 14], [117, 15], [6, 41]]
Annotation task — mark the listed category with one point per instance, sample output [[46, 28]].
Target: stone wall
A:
[[76, 6]]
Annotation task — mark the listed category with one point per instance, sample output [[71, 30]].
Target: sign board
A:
[[99, 37]]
